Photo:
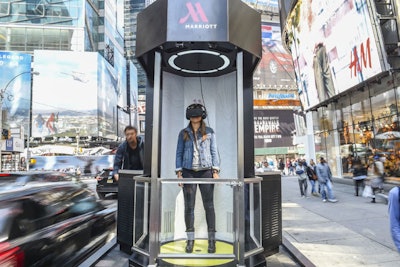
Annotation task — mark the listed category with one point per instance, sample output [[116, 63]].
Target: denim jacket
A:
[[207, 150], [324, 173]]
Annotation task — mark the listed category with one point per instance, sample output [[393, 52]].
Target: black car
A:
[[106, 184], [52, 224], [22, 178]]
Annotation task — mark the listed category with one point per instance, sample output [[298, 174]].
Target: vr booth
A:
[[203, 52]]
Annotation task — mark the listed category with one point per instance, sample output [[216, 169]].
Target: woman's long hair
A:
[[202, 131]]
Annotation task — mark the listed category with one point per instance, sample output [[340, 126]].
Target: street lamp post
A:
[[2, 93]]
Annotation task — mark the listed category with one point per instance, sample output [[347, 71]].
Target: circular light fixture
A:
[[211, 61]]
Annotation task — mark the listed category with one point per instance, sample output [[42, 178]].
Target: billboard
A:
[[265, 5], [275, 70], [64, 97], [197, 21], [273, 128], [333, 46], [15, 80], [109, 93]]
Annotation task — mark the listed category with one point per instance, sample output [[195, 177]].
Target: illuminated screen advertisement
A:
[[15, 80], [273, 128], [275, 70], [196, 20], [109, 92], [333, 47], [64, 101]]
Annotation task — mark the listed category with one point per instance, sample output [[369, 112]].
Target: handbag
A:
[[314, 177], [367, 192]]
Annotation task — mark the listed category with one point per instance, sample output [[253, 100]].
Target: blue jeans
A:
[[313, 184], [327, 188]]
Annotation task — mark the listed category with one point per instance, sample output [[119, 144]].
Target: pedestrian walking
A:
[[312, 177], [289, 167], [325, 180], [379, 171], [302, 178], [394, 215], [281, 166], [359, 175]]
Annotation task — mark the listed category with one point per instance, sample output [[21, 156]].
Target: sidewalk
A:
[[351, 232]]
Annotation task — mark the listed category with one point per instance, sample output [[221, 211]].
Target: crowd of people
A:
[[319, 177]]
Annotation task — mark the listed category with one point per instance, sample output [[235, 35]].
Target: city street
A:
[[351, 232]]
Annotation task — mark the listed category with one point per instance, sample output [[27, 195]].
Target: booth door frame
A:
[[154, 227]]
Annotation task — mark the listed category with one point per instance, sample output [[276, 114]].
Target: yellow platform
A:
[[200, 248]]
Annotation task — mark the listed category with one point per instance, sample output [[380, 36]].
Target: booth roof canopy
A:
[[199, 37]]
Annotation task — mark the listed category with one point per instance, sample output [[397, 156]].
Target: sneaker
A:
[[324, 200], [333, 200], [303, 196]]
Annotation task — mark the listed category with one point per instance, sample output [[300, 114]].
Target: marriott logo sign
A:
[[196, 18]]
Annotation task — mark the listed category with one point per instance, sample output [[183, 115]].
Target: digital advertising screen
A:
[[334, 47], [64, 101], [109, 92], [15, 81], [273, 128], [275, 70]]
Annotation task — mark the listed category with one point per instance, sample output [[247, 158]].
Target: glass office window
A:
[[17, 39], [51, 39], [34, 39]]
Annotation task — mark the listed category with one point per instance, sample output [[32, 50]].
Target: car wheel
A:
[[101, 195], [273, 66]]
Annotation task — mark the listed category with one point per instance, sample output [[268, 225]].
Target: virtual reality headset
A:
[[196, 110]]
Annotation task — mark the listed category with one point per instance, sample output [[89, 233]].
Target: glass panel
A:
[[398, 99], [174, 221], [383, 105], [4, 9], [253, 216], [17, 39], [3, 33], [344, 125], [51, 39], [141, 216], [387, 131], [363, 129], [34, 39], [65, 39]]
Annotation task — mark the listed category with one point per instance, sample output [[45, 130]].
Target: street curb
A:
[[296, 254]]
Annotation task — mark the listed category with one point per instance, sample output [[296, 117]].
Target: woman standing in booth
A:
[[197, 157]]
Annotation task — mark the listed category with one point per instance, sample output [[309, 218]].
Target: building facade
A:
[[349, 89], [76, 26]]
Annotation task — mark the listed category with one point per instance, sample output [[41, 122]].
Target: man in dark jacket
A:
[[130, 153]]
